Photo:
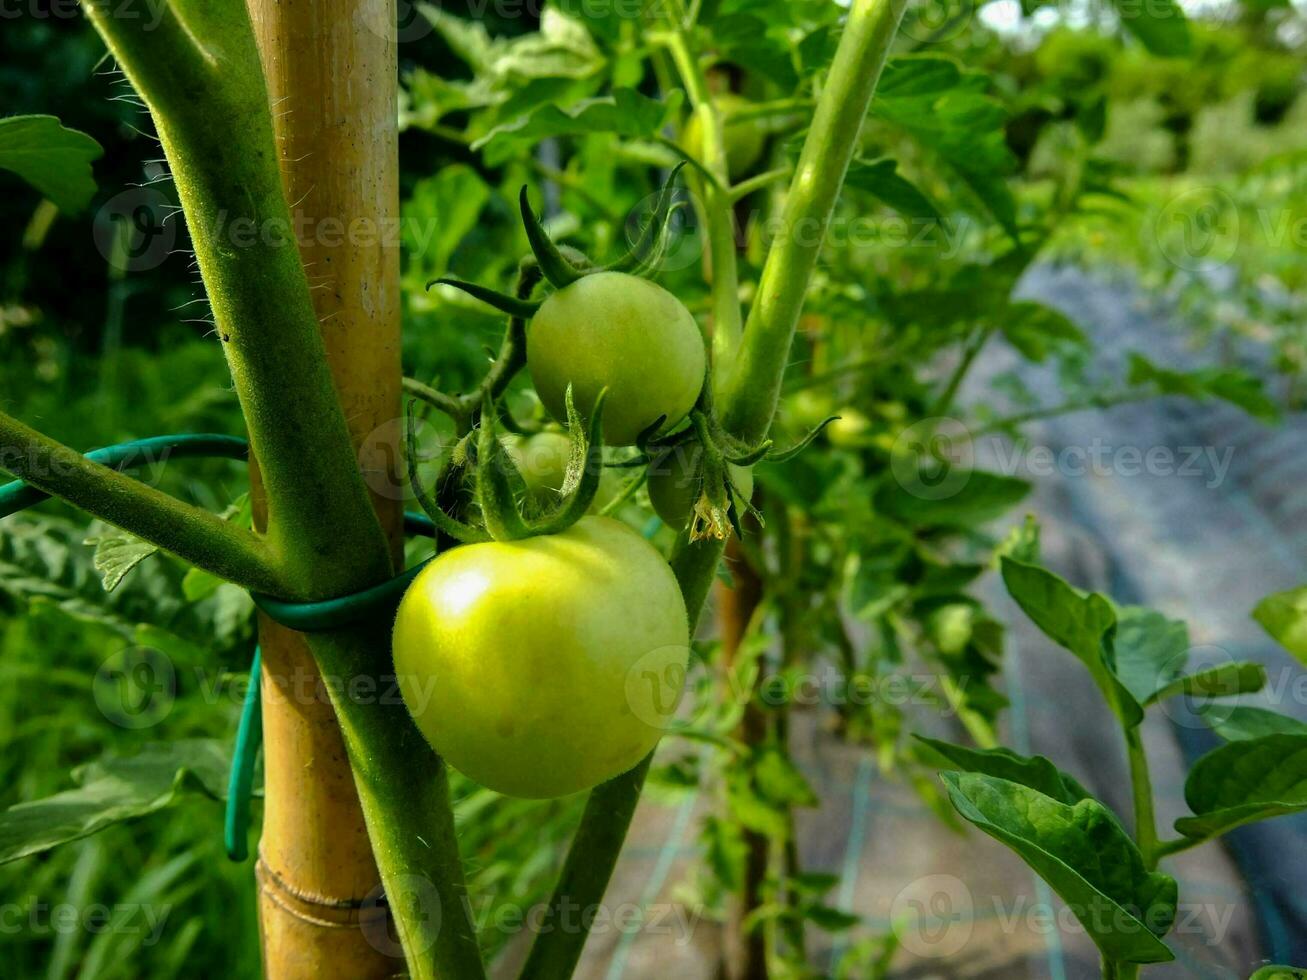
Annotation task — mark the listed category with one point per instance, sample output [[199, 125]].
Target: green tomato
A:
[[542, 460], [546, 666], [808, 408], [950, 627], [619, 331], [745, 139], [852, 430], [676, 482]]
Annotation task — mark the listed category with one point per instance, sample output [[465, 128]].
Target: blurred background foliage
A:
[[1088, 139]]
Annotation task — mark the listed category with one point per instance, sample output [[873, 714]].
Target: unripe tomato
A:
[[745, 138], [676, 482], [808, 408], [950, 627], [542, 460], [619, 331], [545, 666], [852, 430]]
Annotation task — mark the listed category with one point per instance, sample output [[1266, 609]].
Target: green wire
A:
[[304, 617], [19, 495], [240, 787]]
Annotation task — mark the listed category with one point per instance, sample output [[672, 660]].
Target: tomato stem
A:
[[751, 391]]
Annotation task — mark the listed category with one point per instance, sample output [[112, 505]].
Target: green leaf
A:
[[1221, 681], [1084, 855], [1245, 781], [780, 781], [625, 113], [881, 179], [1228, 384], [54, 160], [1033, 772], [1284, 616], [975, 497], [446, 207], [467, 39], [946, 110], [117, 553], [112, 790], [1082, 624], [1035, 330], [1239, 723], [1160, 24], [1279, 973], [831, 920], [1151, 650]]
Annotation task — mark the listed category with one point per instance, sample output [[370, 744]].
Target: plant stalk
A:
[[716, 200], [191, 533], [751, 391], [1141, 787]]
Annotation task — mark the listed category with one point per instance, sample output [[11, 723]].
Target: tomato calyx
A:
[[562, 265], [718, 463], [501, 489]]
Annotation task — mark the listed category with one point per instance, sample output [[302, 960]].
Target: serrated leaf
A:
[[113, 790], [625, 113], [1233, 385], [116, 554], [1033, 772], [881, 179], [780, 781], [1084, 855], [1284, 616], [1083, 624], [831, 919], [1245, 781], [1035, 329], [947, 111], [54, 160], [1242, 722]]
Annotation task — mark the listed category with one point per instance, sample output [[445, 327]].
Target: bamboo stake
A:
[[331, 71]]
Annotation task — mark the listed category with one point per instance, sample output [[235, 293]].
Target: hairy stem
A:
[[751, 392], [192, 534], [199, 72]]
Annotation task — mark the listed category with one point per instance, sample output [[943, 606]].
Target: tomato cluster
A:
[[551, 658]]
